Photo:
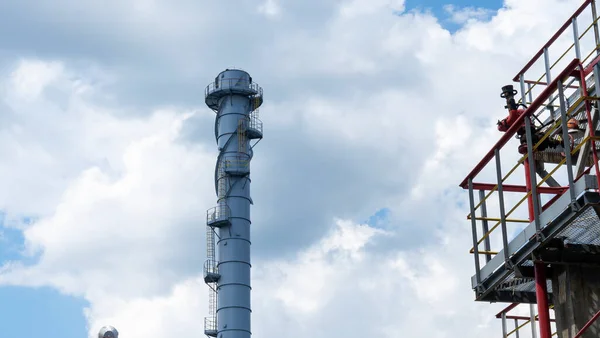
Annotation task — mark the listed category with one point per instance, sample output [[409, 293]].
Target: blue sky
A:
[[34, 312], [437, 8]]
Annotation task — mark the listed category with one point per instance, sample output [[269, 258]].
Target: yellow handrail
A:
[[527, 322], [529, 193], [487, 252], [575, 106], [563, 55], [510, 220]]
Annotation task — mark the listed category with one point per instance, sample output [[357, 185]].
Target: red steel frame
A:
[[505, 313], [561, 30], [587, 325], [574, 69]]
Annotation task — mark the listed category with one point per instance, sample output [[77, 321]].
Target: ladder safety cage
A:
[[557, 127]]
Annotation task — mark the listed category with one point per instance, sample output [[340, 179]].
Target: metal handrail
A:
[[210, 324], [572, 21], [554, 38], [563, 55], [245, 84], [560, 164], [504, 315], [254, 122], [537, 103], [236, 161], [576, 106], [221, 211], [210, 267]]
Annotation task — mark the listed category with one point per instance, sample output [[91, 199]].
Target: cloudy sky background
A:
[[374, 112]]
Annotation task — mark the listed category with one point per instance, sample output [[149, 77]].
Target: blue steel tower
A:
[[235, 99]]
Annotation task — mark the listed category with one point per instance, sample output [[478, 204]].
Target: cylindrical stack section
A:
[[235, 99]]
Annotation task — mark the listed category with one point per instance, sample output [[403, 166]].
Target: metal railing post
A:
[[593, 127], [548, 80], [474, 230], [532, 179], [522, 84], [501, 202], [516, 328], [596, 32], [504, 328], [565, 135], [532, 320], [484, 224], [576, 38], [547, 65]]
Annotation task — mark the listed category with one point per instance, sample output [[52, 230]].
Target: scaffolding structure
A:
[[557, 129]]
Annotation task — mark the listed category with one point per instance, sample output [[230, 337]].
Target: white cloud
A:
[[270, 8], [374, 110], [463, 15], [30, 78]]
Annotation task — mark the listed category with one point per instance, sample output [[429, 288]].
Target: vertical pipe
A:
[[532, 320], [566, 140], [596, 32], [548, 79], [541, 295], [501, 202], [590, 119], [528, 186], [526, 163], [474, 231], [547, 65], [484, 224], [504, 327], [522, 86], [576, 38], [541, 292], [530, 175], [516, 328], [588, 109]]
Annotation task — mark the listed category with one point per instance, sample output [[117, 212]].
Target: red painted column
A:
[[541, 289], [541, 295]]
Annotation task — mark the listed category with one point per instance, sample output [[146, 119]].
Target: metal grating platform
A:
[[574, 223], [585, 229]]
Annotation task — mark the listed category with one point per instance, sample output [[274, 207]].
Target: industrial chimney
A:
[[235, 98]]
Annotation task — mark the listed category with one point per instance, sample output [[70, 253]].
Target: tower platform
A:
[[570, 233], [552, 259]]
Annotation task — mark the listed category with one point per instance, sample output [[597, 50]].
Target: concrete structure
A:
[[235, 98], [554, 259], [576, 290]]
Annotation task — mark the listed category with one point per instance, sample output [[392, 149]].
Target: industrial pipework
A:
[[235, 99]]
